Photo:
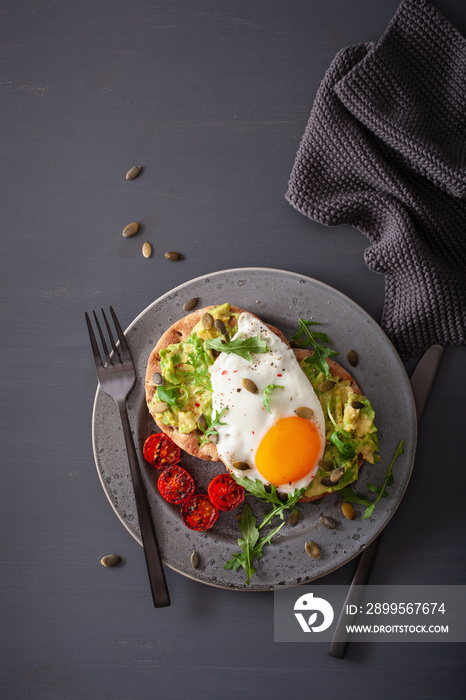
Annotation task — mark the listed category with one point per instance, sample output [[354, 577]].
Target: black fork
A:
[[117, 376]]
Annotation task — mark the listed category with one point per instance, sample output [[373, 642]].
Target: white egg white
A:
[[246, 418]]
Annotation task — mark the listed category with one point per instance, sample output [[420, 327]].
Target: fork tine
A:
[[95, 347], [121, 335], [109, 330], [102, 338]]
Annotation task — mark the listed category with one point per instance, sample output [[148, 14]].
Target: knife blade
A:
[[421, 382]]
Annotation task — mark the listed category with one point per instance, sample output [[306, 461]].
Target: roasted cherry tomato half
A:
[[225, 493], [198, 512], [160, 451], [175, 485]]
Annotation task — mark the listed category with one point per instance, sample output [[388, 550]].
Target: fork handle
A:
[[158, 583]]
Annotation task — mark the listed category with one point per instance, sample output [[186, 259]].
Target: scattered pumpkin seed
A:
[[159, 407], [202, 422], [326, 386], [326, 465], [329, 522], [110, 560], [133, 172], [157, 378], [312, 549], [352, 357], [348, 511], [241, 466], [357, 404], [336, 475], [207, 321], [220, 326], [305, 412], [326, 481], [213, 438], [172, 255], [293, 518], [147, 249], [249, 385], [131, 229], [194, 559], [190, 304]]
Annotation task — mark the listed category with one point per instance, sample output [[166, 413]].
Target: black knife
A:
[[421, 382]]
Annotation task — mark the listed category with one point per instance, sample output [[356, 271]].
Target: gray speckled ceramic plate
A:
[[280, 298]]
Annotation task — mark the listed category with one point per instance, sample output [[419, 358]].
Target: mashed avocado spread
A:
[[186, 394], [187, 389]]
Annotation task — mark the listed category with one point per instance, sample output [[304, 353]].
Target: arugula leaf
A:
[[212, 426], [200, 372], [342, 440], [252, 543], [320, 353], [247, 543], [239, 346], [350, 497], [172, 394], [268, 393]]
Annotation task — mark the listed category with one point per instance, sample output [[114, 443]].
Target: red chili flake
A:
[[197, 404], [279, 375], [225, 371]]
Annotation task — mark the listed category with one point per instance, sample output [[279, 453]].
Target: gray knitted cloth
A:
[[385, 152]]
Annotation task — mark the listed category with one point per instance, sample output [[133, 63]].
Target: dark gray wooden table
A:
[[212, 98]]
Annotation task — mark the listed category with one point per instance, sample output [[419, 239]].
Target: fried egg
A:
[[280, 447]]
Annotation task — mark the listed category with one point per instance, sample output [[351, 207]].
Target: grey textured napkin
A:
[[385, 152]]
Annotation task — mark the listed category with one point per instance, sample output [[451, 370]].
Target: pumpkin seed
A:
[[348, 511], [326, 386], [158, 407], [157, 378], [336, 475], [293, 518], [305, 412], [325, 481], [131, 229], [241, 466], [220, 326], [194, 559], [110, 560], [312, 549], [356, 404], [147, 249], [171, 255], [213, 438], [190, 304], [133, 172], [326, 465], [329, 522], [202, 422], [207, 321], [352, 357], [249, 385]]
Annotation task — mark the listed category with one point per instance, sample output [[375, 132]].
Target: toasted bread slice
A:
[[178, 332]]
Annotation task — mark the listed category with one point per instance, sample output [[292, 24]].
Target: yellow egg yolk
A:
[[289, 450]]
